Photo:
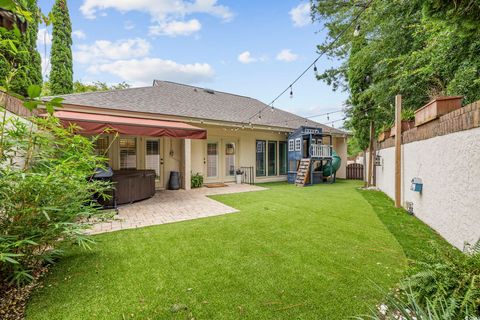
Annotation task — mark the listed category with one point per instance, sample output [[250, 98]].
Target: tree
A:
[[23, 56], [35, 62], [61, 74], [418, 48], [79, 87]]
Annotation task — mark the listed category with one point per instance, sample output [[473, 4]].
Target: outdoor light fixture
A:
[[291, 92]]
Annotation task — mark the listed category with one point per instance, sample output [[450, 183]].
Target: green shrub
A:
[[407, 307], [450, 278], [196, 180], [46, 192]]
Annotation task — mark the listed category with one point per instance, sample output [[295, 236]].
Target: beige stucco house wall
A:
[[172, 152]]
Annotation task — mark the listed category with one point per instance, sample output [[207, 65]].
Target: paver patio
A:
[[171, 206]]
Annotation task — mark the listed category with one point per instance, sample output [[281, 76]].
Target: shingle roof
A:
[[174, 99]]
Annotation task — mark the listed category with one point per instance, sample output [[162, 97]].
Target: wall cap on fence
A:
[[464, 118]]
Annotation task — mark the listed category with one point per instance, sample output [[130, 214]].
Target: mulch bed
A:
[[13, 299]]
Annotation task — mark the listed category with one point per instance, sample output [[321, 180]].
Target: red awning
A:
[[97, 123]]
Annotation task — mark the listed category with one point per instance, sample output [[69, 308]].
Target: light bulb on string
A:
[[356, 33], [315, 69], [272, 109], [291, 92], [328, 117]]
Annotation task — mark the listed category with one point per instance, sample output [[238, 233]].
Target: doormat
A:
[[215, 185]]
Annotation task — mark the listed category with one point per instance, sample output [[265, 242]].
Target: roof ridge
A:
[[224, 92]]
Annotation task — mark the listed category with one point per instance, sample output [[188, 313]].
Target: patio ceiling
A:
[[91, 123]]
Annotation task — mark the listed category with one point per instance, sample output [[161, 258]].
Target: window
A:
[[152, 156], [282, 157], [260, 158], [212, 159], [272, 158], [101, 146], [230, 159], [128, 153], [291, 145], [298, 144]]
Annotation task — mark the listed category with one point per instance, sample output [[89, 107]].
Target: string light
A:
[[356, 33], [315, 68], [291, 92]]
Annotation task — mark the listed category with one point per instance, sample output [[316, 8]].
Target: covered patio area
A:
[[172, 206]]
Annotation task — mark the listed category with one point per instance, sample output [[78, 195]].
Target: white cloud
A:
[[300, 15], [176, 28], [45, 64], [43, 38], [79, 34], [159, 10], [104, 50], [246, 57], [287, 55], [141, 72], [165, 14]]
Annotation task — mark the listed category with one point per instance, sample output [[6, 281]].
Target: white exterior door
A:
[[154, 159], [212, 160]]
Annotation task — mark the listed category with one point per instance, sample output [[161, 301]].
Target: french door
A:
[[154, 159], [212, 160]]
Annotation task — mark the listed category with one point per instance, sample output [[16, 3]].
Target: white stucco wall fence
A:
[[449, 166]]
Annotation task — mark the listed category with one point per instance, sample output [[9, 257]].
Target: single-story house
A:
[[177, 127]]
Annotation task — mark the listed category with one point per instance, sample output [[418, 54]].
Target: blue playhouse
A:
[[311, 157]]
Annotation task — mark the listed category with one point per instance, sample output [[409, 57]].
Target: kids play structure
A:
[[311, 158]]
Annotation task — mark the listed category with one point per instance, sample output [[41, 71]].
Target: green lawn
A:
[[291, 253]]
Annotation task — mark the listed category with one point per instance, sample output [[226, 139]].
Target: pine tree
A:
[[35, 63], [61, 74]]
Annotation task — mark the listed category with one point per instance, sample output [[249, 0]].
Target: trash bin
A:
[[174, 181]]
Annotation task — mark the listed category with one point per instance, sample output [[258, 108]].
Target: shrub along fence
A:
[[443, 157]]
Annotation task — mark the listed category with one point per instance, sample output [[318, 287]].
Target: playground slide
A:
[[335, 165]]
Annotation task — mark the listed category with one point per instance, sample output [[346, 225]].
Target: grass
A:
[[319, 252]]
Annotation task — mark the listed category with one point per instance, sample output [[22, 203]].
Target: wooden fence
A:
[[355, 171]]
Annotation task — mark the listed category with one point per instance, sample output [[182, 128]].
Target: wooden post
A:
[[398, 151], [370, 154]]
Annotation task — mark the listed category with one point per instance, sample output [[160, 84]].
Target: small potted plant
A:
[[384, 132], [238, 176], [408, 121]]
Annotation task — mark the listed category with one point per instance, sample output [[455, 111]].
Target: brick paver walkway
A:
[[172, 206]]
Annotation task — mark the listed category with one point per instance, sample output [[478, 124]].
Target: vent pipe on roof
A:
[[209, 91]]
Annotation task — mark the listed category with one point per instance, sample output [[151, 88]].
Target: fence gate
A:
[[355, 171]]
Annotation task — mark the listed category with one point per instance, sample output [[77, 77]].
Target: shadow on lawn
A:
[[411, 233]]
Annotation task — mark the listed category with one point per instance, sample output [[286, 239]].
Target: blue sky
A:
[[252, 48]]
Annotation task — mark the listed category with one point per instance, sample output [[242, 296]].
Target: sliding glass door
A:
[[272, 158], [261, 158]]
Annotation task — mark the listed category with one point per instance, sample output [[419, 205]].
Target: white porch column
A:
[[187, 163]]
